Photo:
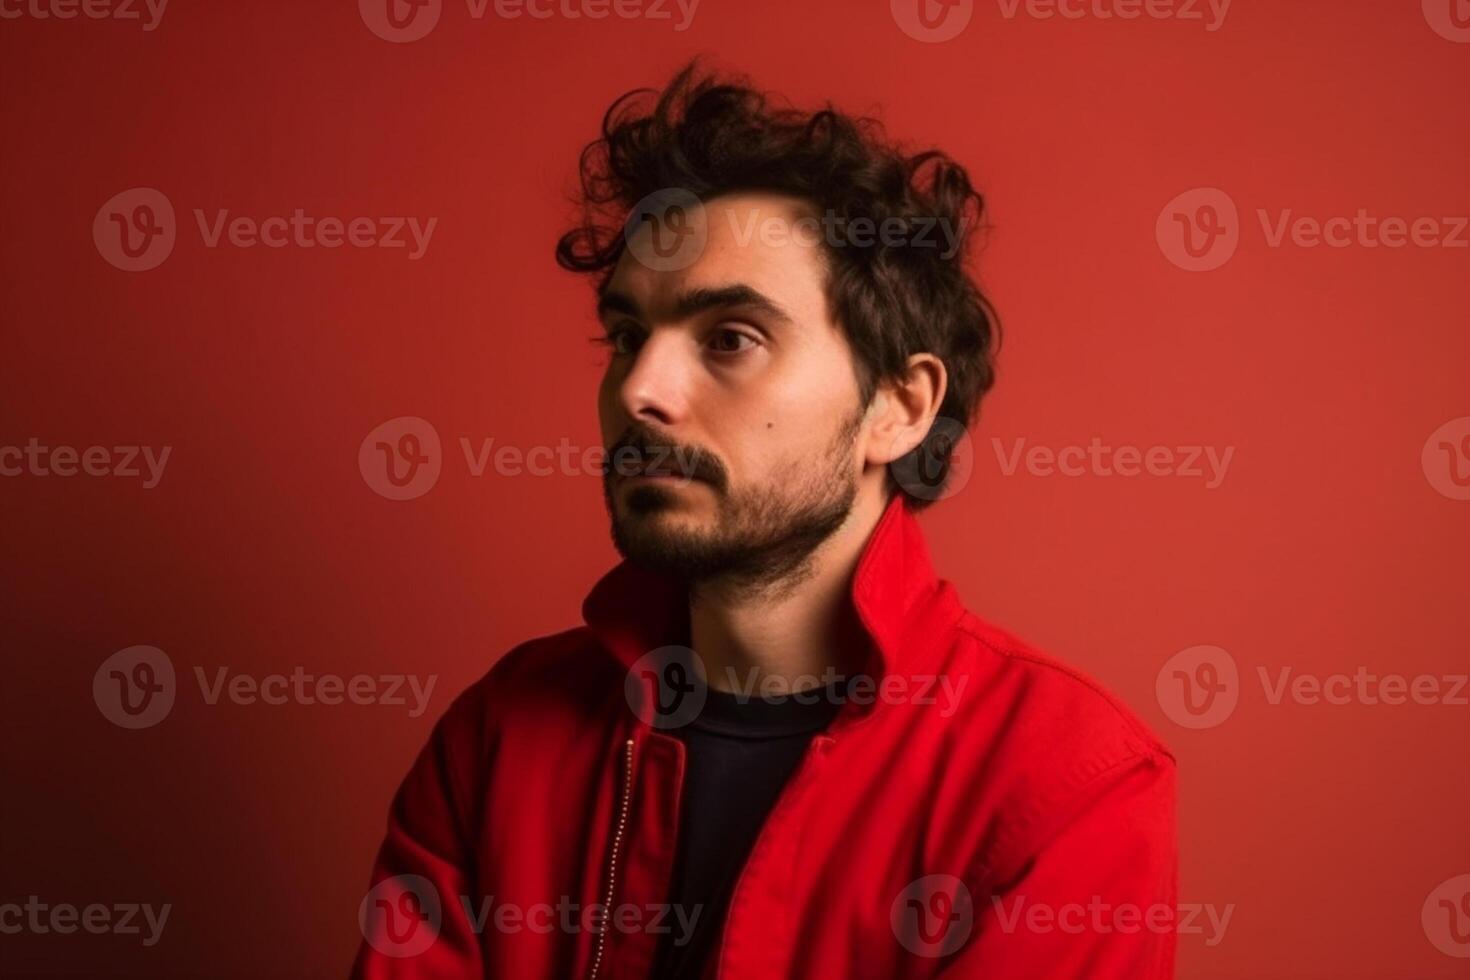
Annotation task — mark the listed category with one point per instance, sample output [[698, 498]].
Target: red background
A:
[[263, 548]]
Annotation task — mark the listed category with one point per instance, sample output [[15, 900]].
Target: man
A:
[[780, 746]]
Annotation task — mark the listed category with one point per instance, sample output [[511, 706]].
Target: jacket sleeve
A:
[[1098, 900], [414, 918]]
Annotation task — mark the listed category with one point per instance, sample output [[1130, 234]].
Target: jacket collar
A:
[[632, 610]]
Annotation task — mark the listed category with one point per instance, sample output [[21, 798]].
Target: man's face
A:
[[728, 378]]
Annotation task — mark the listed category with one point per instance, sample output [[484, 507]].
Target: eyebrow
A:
[[700, 300]]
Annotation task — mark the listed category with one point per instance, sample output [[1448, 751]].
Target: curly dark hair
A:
[[713, 137]]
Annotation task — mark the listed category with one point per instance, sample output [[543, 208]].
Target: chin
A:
[[645, 498]]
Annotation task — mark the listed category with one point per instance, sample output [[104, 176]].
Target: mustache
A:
[[641, 448]]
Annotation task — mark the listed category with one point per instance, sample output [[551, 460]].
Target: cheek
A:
[[608, 413], [775, 447]]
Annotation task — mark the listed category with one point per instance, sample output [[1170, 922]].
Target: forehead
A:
[[746, 239]]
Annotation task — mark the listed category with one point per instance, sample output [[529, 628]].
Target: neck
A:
[[784, 636]]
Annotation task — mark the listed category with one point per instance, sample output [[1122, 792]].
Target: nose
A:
[[655, 388]]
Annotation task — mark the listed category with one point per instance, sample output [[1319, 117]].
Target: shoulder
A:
[[1049, 743], [1046, 696], [555, 681], [559, 668]]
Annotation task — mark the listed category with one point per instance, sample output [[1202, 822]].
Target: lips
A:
[[659, 471], [642, 458]]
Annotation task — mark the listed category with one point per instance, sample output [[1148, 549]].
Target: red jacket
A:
[[1024, 829]]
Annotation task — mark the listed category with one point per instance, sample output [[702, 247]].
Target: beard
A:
[[761, 536]]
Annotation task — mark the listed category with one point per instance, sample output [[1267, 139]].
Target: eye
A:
[[621, 339], [727, 340]]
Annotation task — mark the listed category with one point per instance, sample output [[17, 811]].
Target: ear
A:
[[903, 408]]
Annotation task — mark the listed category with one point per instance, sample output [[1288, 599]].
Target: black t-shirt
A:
[[739, 753]]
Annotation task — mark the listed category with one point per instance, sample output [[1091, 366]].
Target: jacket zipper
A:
[[612, 864]]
